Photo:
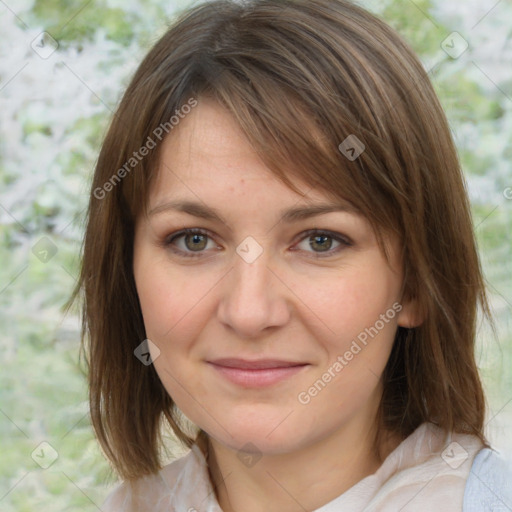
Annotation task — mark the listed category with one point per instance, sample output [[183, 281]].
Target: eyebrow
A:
[[290, 215]]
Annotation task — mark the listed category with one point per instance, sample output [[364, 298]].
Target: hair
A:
[[299, 77]]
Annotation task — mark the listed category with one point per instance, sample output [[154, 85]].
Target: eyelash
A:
[[169, 241]]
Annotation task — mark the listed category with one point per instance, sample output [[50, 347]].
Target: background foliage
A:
[[54, 114]]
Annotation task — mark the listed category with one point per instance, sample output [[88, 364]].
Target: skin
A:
[[294, 302]]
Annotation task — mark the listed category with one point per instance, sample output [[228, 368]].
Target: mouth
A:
[[256, 373]]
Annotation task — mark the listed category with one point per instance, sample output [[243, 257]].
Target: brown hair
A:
[[299, 77]]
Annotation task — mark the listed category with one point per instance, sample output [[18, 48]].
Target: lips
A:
[[256, 373], [260, 364]]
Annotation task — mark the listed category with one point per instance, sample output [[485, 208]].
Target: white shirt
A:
[[426, 472]]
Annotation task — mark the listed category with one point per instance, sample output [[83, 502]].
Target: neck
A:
[[302, 480]]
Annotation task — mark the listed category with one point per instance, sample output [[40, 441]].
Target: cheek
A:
[[159, 310], [358, 329], [173, 316], [176, 307], [350, 302], [167, 299]]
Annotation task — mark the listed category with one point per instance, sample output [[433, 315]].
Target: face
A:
[[272, 328]]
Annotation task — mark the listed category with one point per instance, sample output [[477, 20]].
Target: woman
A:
[[279, 246]]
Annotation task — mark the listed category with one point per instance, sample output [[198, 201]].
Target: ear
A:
[[412, 314]]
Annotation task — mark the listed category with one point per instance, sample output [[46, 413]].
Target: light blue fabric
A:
[[489, 485]]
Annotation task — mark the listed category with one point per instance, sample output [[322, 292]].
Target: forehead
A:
[[208, 152]]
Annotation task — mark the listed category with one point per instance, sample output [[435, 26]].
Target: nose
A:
[[254, 298]]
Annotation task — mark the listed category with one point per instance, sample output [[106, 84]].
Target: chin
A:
[[257, 443], [268, 435]]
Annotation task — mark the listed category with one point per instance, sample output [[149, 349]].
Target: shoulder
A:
[[489, 485], [156, 492]]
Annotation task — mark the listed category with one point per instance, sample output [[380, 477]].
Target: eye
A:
[[194, 240], [322, 242]]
